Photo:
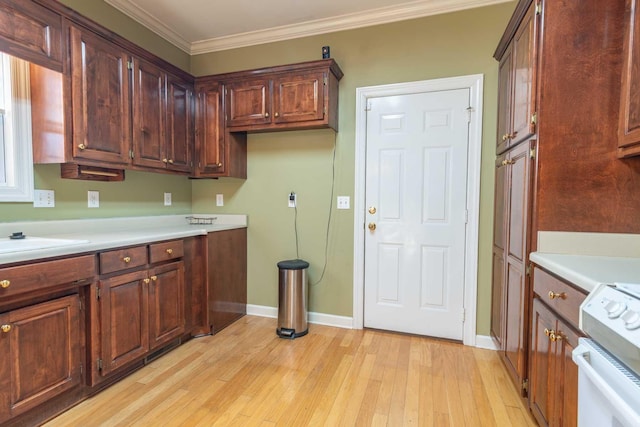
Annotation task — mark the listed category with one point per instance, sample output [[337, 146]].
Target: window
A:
[[16, 159]]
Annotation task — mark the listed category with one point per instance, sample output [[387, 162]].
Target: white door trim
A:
[[474, 83]]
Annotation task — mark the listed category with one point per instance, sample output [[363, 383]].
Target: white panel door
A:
[[416, 192]]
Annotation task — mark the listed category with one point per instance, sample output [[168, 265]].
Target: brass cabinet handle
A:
[[276, 114], [146, 280], [170, 161], [219, 164], [548, 332], [165, 161], [266, 115], [505, 136], [554, 295], [555, 337], [169, 251], [372, 226], [154, 278], [5, 328], [82, 146], [5, 284], [127, 259], [506, 162]]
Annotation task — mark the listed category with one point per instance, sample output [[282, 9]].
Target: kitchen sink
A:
[[34, 243]]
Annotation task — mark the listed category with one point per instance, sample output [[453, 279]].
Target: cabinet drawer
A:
[[122, 259], [165, 251], [43, 275], [558, 295]]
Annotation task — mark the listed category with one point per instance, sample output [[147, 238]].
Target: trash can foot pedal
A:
[[290, 333]]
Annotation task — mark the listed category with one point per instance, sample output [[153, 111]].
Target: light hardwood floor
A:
[[247, 376]]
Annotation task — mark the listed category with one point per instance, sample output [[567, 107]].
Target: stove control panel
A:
[[615, 308]]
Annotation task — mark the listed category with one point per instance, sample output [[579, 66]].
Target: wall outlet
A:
[[344, 202], [93, 199], [167, 199], [292, 199], [44, 199], [219, 200]]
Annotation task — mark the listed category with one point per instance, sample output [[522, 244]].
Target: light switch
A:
[[344, 202], [219, 200], [93, 199], [167, 199]]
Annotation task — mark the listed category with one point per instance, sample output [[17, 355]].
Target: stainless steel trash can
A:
[[292, 298]]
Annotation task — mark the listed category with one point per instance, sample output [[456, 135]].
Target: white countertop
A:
[[587, 271], [100, 234]]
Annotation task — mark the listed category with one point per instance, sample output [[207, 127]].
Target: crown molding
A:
[[143, 17], [411, 10]]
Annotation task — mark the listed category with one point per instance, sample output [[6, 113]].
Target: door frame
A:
[[475, 84]]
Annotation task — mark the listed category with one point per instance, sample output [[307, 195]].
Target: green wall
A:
[[447, 45]]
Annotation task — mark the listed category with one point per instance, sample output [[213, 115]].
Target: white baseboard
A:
[[484, 341], [316, 318]]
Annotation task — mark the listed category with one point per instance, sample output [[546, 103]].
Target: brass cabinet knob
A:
[[554, 295], [170, 161], [219, 164], [372, 210], [548, 332], [5, 284], [165, 161], [372, 226], [127, 259], [82, 146], [506, 162], [505, 136], [169, 251], [555, 337], [266, 115], [5, 328], [154, 278], [146, 281], [276, 114]]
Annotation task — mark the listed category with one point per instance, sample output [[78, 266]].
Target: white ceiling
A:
[[200, 26]]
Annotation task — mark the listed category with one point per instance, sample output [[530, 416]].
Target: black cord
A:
[[333, 183], [295, 225]]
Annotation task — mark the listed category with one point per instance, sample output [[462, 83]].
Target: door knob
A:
[[372, 210], [372, 226]]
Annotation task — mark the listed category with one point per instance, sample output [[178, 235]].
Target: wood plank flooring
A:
[[247, 376]]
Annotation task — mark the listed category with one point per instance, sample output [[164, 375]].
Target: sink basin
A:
[[35, 243]]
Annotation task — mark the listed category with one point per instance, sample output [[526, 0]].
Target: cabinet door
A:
[[124, 320], [523, 79], [180, 124], [299, 97], [629, 124], [166, 303], [210, 132], [517, 246], [227, 277], [41, 354], [542, 363], [31, 32], [149, 107], [248, 102], [499, 244], [505, 95], [565, 377], [100, 107]]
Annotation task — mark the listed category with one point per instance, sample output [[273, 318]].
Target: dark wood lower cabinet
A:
[[40, 351], [226, 277]]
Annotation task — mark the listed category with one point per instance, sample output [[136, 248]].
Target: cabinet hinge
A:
[[99, 362], [532, 153], [528, 270], [130, 65], [466, 216], [538, 8], [464, 314], [324, 111], [326, 81], [80, 305], [81, 369], [97, 292], [525, 385], [534, 119], [469, 110], [131, 154]]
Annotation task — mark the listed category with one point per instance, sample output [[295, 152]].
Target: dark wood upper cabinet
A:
[[220, 153], [100, 107], [629, 125], [516, 80], [31, 32], [180, 124], [298, 96]]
